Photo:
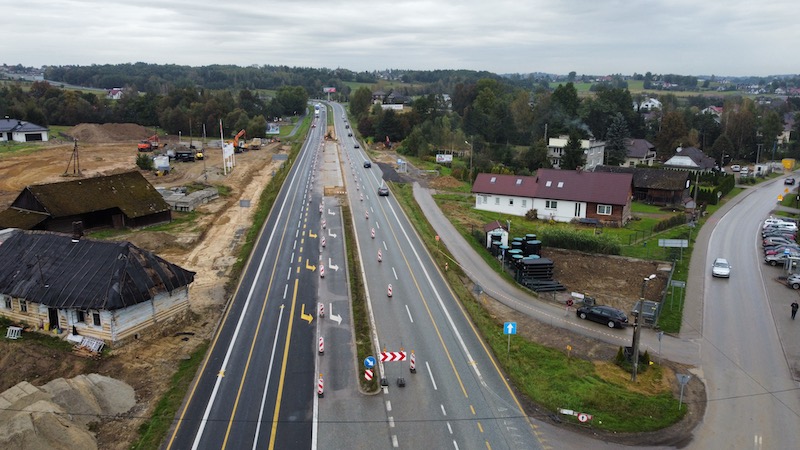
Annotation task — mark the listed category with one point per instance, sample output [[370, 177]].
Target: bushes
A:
[[674, 221], [575, 240]]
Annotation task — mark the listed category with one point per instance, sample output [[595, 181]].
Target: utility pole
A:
[[637, 329]]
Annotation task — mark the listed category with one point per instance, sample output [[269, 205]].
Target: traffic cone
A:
[[323, 241], [366, 214], [373, 233], [320, 388], [322, 345], [321, 271], [389, 291], [413, 364], [324, 224], [380, 256], [321, 312]]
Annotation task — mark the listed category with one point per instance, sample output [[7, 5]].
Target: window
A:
[[560, 184], [80, 316], [497, 200], [604, 210], [548, 184], [524, 203], [23, 306], [493, 180], [7, 302], [551, 204], [519, 181], [511, 202], [96, 319]]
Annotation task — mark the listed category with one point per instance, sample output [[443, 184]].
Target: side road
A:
[[678, 349]]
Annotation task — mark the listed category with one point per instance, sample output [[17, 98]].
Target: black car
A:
[[356, 145], [367, 164], [789, 181], [608, 315], [383, 191]]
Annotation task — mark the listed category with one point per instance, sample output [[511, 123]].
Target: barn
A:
[[122, 200], [100, 289]]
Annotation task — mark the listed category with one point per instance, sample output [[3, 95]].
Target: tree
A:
[[534, 157], [616, 136], [673, 132], [565, 98], [571, 76], [771, 127], [360, 102], [572, 156], [722, 146], [293, 98]]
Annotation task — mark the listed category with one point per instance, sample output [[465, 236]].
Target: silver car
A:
[[721, 268]]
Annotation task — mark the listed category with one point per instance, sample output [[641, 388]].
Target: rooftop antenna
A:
[[75, 162]]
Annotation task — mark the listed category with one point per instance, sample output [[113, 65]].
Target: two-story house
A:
[[593, 150]]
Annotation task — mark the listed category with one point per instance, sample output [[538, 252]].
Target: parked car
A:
[[784, 227], [781, 234], [774, 260], [789, 181], [608, 315], [782, 249], [744, 171], [776, 240], [793, 281], [776, 221], [721, 268], [735, 168], [367, 164]]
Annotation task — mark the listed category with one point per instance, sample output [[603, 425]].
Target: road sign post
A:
[[509, 328], [683, 380]]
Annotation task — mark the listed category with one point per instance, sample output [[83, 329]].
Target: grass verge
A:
[[152, 432], [358, 298], [547, 376]]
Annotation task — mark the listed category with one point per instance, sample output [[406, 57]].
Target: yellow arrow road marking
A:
[[304, 316], [310, 267]]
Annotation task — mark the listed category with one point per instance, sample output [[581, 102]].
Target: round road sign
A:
[[583, 417], [369, 362]]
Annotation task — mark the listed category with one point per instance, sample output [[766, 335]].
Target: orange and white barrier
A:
[[321, 310], [324, 224], [413, 364], [320, 387], [380, 255], [389, 291], [366, 214], [373, 233], [322, 345], [323, 241], [321, 271]]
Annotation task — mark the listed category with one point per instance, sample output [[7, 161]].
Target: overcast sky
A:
[[598, 37]]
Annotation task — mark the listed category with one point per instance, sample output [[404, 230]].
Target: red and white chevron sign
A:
[[393, 356]]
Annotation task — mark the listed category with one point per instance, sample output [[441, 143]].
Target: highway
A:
[[753, 401], [457, 398], [256, 389]]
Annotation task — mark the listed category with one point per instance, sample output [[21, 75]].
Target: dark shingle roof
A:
[[638, 148], [19, 126], [50, 269], [129, 191], [651, 178], [19, 218], [592, 187], [517, 185]]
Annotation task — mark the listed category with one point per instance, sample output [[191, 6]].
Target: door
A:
[[52, 318]]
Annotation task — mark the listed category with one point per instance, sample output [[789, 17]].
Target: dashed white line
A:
[[289, 273], [409, 314], [395, 274], [395, 444], [432, 380], [388, 405], [378, 225], [294, 245], [285, 290], [443, 411], [449, 428], [391, 421], [455, 445], [384, 245]]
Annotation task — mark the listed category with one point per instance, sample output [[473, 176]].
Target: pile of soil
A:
[[108, 132], [444, 183]]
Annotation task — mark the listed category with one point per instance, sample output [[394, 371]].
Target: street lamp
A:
[[471, 150], [637, 329]]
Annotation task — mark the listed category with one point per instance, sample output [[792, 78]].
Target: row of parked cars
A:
[[779, 240]]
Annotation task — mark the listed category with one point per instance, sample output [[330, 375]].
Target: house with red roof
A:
[[559, 195]]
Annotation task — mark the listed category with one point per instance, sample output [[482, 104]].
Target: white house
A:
[[593, 151], [648, 105], [558, 195], [21, 131], [639, 152], [114, 93]]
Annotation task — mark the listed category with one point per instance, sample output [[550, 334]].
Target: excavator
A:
[[149, 144], [239, 141]]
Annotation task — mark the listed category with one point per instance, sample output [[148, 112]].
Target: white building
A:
[[21, 131], [593, 151]]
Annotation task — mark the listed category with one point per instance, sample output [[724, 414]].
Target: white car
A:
[[774, 220], [784, 226], [793, 281], [735, 168], [721, 268]]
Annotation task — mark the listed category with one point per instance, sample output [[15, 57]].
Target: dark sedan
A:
[[789, 181], [608, 315]]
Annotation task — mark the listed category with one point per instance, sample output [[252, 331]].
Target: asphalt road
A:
[[257, 385], [749, 343], [457, 398]]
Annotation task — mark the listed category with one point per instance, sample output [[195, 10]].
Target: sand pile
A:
[[109, 132]]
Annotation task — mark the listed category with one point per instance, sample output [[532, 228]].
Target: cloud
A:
[[733, 37]]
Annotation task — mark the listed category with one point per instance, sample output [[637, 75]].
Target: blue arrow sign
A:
[[369, 362], [510, 328]]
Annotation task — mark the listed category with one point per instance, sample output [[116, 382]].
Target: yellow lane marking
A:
[[283, 369], [480, 427]]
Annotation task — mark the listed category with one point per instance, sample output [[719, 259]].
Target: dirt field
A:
[[208, 248]]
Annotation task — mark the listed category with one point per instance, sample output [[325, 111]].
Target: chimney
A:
[[77, 231]]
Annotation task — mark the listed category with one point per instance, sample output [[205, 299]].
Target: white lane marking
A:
[[388, 405], [266, 382], [384, 246], [395, 444], [443, 411], [233, 342], [455, 445], [285, 290], [289, 274], [395, 274], [409, 314], [391, 422], [449, 428], [431, 375], [445, 311], [294, 245], [378, 225]]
